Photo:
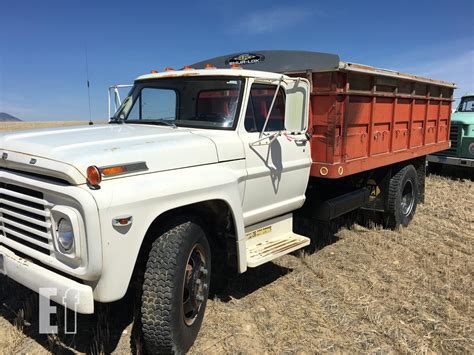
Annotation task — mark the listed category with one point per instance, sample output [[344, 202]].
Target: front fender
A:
[[147, 196]]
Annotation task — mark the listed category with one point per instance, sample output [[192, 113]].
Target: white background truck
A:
[[201, 171]]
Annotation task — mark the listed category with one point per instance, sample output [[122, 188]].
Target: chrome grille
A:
[[453, 137], [25, 217]]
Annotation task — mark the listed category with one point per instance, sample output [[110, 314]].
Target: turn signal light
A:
[[154, 71], [188, 67], [169, 69], [123, 221], [94, 176], [113, 170], [210, 66], [235, 66]]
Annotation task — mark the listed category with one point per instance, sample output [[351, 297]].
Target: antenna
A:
[[88, 87]]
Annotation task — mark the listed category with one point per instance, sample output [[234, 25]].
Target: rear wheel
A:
[[175, 289], [402, 198]]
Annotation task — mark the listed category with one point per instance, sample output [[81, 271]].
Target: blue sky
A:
[[42, 43]]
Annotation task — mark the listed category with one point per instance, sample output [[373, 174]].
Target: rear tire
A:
[[175, 289], [402, 198]]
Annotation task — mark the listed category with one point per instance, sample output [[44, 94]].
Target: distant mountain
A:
[[4, 117]]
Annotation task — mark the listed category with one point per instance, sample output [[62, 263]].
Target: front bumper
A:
[[451, 161], [69, 293]]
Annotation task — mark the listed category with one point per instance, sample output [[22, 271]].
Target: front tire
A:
[[402, 198], [175, 289]]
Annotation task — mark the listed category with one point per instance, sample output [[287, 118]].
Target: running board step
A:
[[272, 248]]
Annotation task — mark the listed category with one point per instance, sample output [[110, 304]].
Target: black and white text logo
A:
[[245, 58]]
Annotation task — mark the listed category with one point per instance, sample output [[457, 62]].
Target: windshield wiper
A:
[[164, 122], [167, 122], [116, 120], [159, 122]]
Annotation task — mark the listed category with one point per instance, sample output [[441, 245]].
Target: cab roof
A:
[[237, 72]]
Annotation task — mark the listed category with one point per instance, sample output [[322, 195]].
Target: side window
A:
[[261, 96], [154, 104]]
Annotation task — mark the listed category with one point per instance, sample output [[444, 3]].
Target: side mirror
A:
[[297, 102], [114, 99]]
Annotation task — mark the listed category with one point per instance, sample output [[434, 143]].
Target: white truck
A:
[[197, 167]]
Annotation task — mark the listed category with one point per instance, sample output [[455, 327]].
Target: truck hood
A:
[[162, 148], [462, 118]]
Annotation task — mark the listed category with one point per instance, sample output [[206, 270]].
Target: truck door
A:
[[278, 160]]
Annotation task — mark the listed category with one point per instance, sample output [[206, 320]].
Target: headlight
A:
[[65, 235]]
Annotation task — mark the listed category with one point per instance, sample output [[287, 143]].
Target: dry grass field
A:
[[14, 126], [362, 290]]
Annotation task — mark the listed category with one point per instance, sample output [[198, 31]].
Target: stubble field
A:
[[362, 290]]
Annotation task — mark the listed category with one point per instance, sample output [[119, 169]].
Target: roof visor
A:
[[280, 61]]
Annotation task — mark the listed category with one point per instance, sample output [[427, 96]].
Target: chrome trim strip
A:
[[129, 168]]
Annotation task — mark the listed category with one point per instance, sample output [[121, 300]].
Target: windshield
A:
[[211, 102], [466, 104]]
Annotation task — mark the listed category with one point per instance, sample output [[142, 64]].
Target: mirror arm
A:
[[271, 137], [271, 106]]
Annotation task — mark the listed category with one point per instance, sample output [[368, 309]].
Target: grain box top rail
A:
[[284, 61]]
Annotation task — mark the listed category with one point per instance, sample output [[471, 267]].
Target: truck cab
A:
[[461, 152], [245, 117]]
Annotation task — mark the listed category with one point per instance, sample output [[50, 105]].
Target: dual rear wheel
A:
[[402, 199]]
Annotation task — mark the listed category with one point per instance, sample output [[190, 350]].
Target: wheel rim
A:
[[195, 284], [408, 198]]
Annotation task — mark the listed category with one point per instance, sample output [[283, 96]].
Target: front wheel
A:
[[175, 289]]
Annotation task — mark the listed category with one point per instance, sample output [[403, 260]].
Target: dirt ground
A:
[[362, 290]]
